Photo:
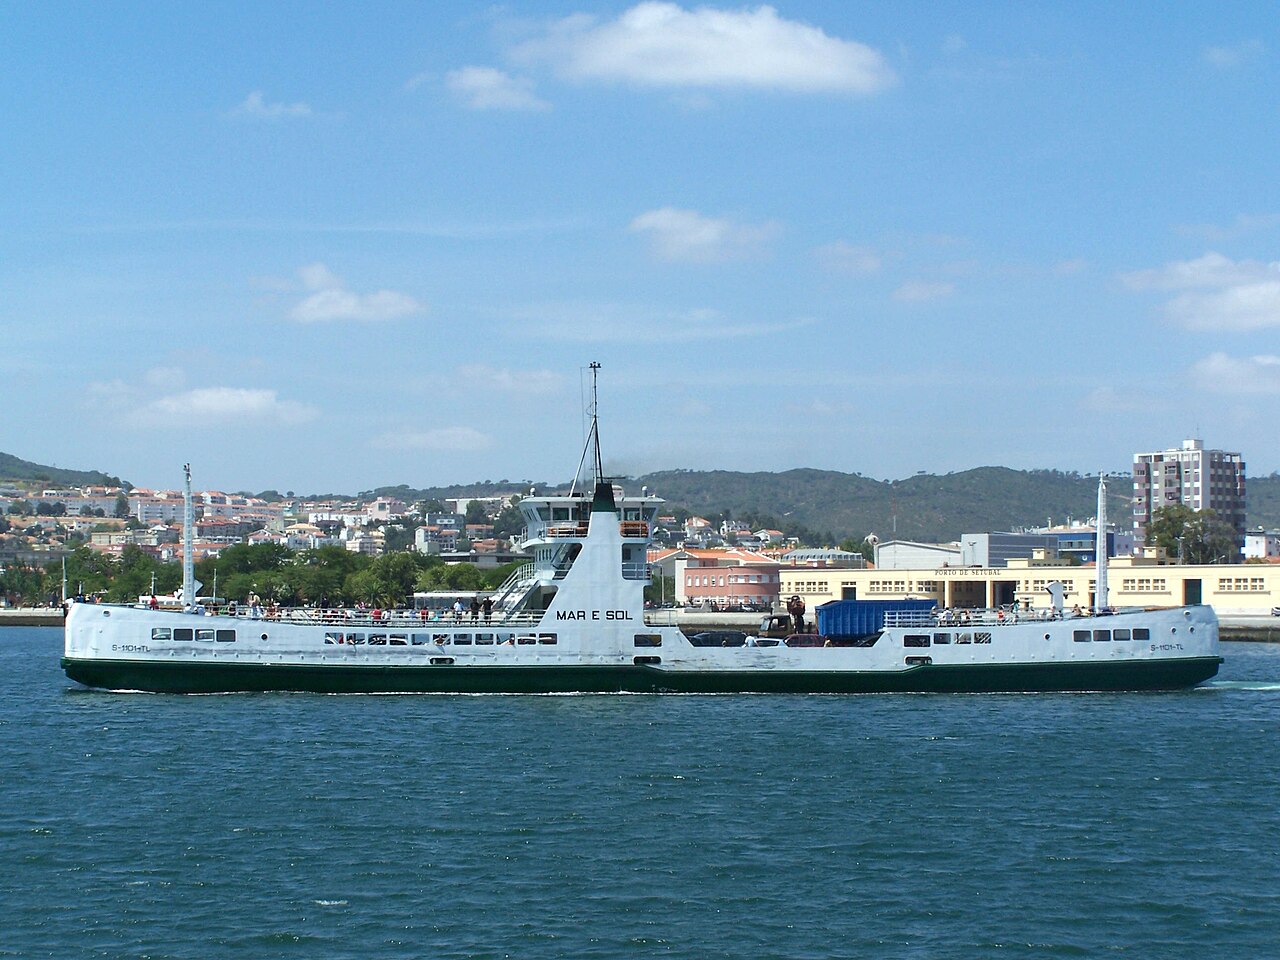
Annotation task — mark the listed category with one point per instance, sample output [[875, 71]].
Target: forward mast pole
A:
[[188, 536], [1100, 548]]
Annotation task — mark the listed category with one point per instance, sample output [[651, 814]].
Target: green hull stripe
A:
[[936, 678]]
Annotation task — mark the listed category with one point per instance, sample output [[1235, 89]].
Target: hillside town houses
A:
[[723, 564]]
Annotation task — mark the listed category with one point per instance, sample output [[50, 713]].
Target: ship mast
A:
[[592, 445], [1100, 548], [188, 534]]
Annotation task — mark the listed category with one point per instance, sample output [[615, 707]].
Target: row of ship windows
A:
[[1080, 636], [1105, 636], [441, 639], [939, 639], [187, 633]]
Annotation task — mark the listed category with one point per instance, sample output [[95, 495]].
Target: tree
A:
[[122, 506], [1192, 536], [476, 512]]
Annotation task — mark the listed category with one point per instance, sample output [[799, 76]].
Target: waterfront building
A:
[[1262, 545], [997, 549], [1135, 581], [909, 555], [1194, 477], [729, 577]]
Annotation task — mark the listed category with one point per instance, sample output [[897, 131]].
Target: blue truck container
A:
[[858, 618]]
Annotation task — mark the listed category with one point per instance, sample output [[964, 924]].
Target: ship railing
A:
[[635, 529], [637, 570], [519, 578], [964, 617]]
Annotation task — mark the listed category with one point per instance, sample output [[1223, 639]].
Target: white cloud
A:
[[522, 382], [1252, 376], [255, 107], [1249, 306], [330, 300], [440, 439], [841, 257], [663, 45], [221, 405], [1228, 58], [686, 235], [484, 88], [1217, 293], [1211, 270], [920, 291]]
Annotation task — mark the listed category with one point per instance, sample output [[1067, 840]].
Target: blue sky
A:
[[333, 246]]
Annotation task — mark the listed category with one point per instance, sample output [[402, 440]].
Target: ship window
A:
[[355, 638], [915, 640], [441, 661], [1102, 636], [648, 639], [546, 638], [161, 633], [641, 661], [377, 639], [982, 637], [205, 635], [506, 638], [526, 640], [226, 636], [485, 638], [182, 633], [440, 638], [462, 639], [420, 638], [1082, 636], [398, 640], [941, 638], [1120, 634], [964, 638], [1141, 633], [333, 638]]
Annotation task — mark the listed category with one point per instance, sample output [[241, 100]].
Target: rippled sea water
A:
[[932, 826]]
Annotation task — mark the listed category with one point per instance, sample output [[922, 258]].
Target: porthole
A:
[[264, 636], [106, 613]]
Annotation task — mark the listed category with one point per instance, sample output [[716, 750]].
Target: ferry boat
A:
[[573, 620]]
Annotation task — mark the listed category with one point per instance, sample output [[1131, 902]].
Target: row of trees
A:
[[275, 573]]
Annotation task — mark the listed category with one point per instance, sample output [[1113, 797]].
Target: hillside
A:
[[12, 468], [926, 507]]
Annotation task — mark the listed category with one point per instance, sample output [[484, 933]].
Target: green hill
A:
[[12, 468], [923, 507]]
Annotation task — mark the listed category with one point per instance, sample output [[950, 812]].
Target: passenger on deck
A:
[[487, 606], [475, 609]]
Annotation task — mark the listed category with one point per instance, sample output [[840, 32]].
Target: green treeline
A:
[[275, 573]]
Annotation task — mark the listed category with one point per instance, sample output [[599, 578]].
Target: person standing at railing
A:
[[487, 606]]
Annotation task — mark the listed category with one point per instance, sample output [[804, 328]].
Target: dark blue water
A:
[[269, 825]]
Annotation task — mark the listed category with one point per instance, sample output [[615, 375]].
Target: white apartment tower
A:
[[1194, 477]]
